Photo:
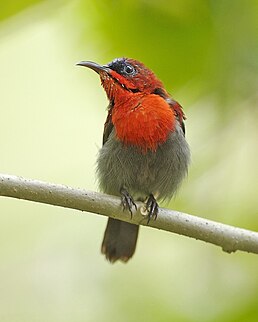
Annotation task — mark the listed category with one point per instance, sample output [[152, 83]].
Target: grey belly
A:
[[160, 173]]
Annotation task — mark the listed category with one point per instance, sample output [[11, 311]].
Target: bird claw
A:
[[127, 201], [152, 208]]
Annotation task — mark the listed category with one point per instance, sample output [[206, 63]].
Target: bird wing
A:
[[176, 107], [108, 126], [178, 110]]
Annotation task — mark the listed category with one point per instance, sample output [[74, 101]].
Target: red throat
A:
[[142, 120]]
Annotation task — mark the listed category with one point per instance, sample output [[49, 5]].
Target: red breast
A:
[[143, 120]]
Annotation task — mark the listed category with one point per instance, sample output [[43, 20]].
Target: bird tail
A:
[[119, 240]]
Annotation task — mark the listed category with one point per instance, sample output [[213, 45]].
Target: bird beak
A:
[[94, 66]]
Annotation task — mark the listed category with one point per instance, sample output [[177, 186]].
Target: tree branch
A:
[[228, 237]]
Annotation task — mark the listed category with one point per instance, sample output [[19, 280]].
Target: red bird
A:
[[144, 154]]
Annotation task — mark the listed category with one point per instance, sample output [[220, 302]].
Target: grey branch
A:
[[228, 237]]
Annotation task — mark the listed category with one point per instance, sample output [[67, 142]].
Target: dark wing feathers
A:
[[108, 126], [178, 110]]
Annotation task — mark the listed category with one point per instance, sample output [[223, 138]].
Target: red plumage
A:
[[143, 120], [144, 154]]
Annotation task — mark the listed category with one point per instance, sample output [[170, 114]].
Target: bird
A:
[[144, 155]]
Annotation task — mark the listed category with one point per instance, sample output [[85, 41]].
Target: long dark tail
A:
[[119, 240]]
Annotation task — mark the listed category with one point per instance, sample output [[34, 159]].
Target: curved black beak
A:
[[94, 66]]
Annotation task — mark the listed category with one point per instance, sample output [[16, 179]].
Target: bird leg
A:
[[127, 201], [152, 208]]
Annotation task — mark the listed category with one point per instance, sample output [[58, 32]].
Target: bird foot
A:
[[127, 201], [152, 208]]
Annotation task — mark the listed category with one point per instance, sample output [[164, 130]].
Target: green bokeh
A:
[[52, 116]]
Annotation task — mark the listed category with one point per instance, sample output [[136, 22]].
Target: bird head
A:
[[126, 75]]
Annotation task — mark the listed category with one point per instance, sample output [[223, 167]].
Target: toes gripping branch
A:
[[151, 205], [127, 201], [152, 208]]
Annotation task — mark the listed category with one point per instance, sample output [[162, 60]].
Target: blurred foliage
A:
[[52, 117], [209, 42], [10, 8]]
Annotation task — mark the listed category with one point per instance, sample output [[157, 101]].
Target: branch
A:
[[228, 237]]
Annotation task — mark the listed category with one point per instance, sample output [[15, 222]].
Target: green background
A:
[[52, 115]]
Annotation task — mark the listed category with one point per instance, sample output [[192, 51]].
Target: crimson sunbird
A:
[[144, 155]]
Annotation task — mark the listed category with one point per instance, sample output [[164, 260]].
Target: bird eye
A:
[[129, 69]]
